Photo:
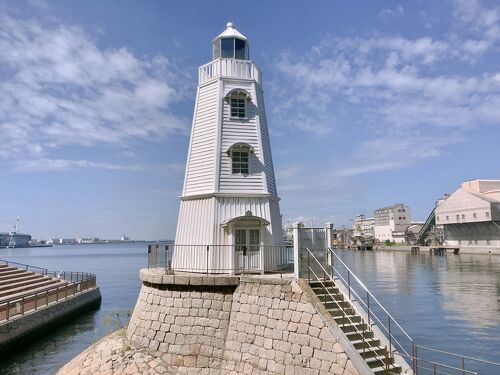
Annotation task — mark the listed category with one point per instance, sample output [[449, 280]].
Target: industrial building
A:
[[391, 223], [14, 240], [471, 215], [363, 226]]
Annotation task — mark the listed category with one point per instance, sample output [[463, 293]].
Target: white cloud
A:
[[480, 22], [60, 165], [405, 93], [59, 88], [389, 13]]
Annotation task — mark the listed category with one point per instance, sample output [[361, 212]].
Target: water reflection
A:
[[449, 302]]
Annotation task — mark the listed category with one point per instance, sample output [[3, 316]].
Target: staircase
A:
[[17, 283], [429, 223], [357, 330]]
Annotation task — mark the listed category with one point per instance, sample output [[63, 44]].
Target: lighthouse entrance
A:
[[247, 248]]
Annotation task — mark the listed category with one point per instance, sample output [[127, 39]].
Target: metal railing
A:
[[213, 259], [75, 283], [378, 318], [229, 68]]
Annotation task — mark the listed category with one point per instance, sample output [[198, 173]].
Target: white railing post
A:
[[296, 249], [329, 241]]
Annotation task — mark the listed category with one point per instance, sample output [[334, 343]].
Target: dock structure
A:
[[33, 298]]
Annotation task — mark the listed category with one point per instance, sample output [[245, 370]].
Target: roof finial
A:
[[230, 23]]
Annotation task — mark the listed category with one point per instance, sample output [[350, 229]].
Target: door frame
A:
[[247, 226]]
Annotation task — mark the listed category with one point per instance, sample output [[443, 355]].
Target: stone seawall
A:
[[188, 324], [20, 327], [193, 324], [243, 325]]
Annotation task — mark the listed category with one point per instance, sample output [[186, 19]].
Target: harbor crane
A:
[[15, 230]]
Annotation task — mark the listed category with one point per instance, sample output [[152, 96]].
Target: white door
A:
[[247, 248]]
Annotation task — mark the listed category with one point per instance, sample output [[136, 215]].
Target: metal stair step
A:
[[352, 318], [358, 335], [373, 351], [352, 326], [379, 360], [369, 342], [382, 370]]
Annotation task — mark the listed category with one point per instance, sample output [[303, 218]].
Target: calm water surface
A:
[[450, 302]]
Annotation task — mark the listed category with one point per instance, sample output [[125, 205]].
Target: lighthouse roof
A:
[[230, 32]]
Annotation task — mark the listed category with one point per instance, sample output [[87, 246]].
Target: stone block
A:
[[181, 280], [314, 342], [316, 321], [314, 331], [268, 343], [195, 280], [208, 280], [326, 335]]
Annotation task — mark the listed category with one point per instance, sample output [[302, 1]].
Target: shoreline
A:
[[425, 249]]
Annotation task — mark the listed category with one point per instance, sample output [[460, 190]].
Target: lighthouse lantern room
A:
[[229, 218]]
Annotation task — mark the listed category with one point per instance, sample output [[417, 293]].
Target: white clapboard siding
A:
[[244, 131], [200, 169], [266, 144]]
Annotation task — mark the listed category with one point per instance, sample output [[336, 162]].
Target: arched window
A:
[[238, 100], [240, 159], [237, 103]]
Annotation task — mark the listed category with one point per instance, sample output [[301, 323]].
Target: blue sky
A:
[[369, 103]]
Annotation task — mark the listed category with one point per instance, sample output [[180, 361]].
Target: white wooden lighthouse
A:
[[229, 215]]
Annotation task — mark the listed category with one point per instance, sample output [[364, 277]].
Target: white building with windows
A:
[[391, 223], [471, 215], [229, 200], [363, 226]]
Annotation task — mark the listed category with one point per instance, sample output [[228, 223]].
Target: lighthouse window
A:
[[237, 106], [240, 160], [239, 49], [227, 47]]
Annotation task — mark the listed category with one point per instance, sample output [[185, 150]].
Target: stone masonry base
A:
[[242, 325]]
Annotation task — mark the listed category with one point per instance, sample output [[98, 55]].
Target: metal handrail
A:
[[344, 315], [88, 283], [25, 266], [435, 365], [370, 293], [459, 355], [77, 282], [415, 348]]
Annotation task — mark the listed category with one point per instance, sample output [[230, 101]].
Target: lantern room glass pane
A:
[[227, 48], [240, 49], [216, 49]]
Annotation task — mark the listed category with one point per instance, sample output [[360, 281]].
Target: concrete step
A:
[[38, 289], [42, 283], [14, 283], [11, 271], [16, 276]]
